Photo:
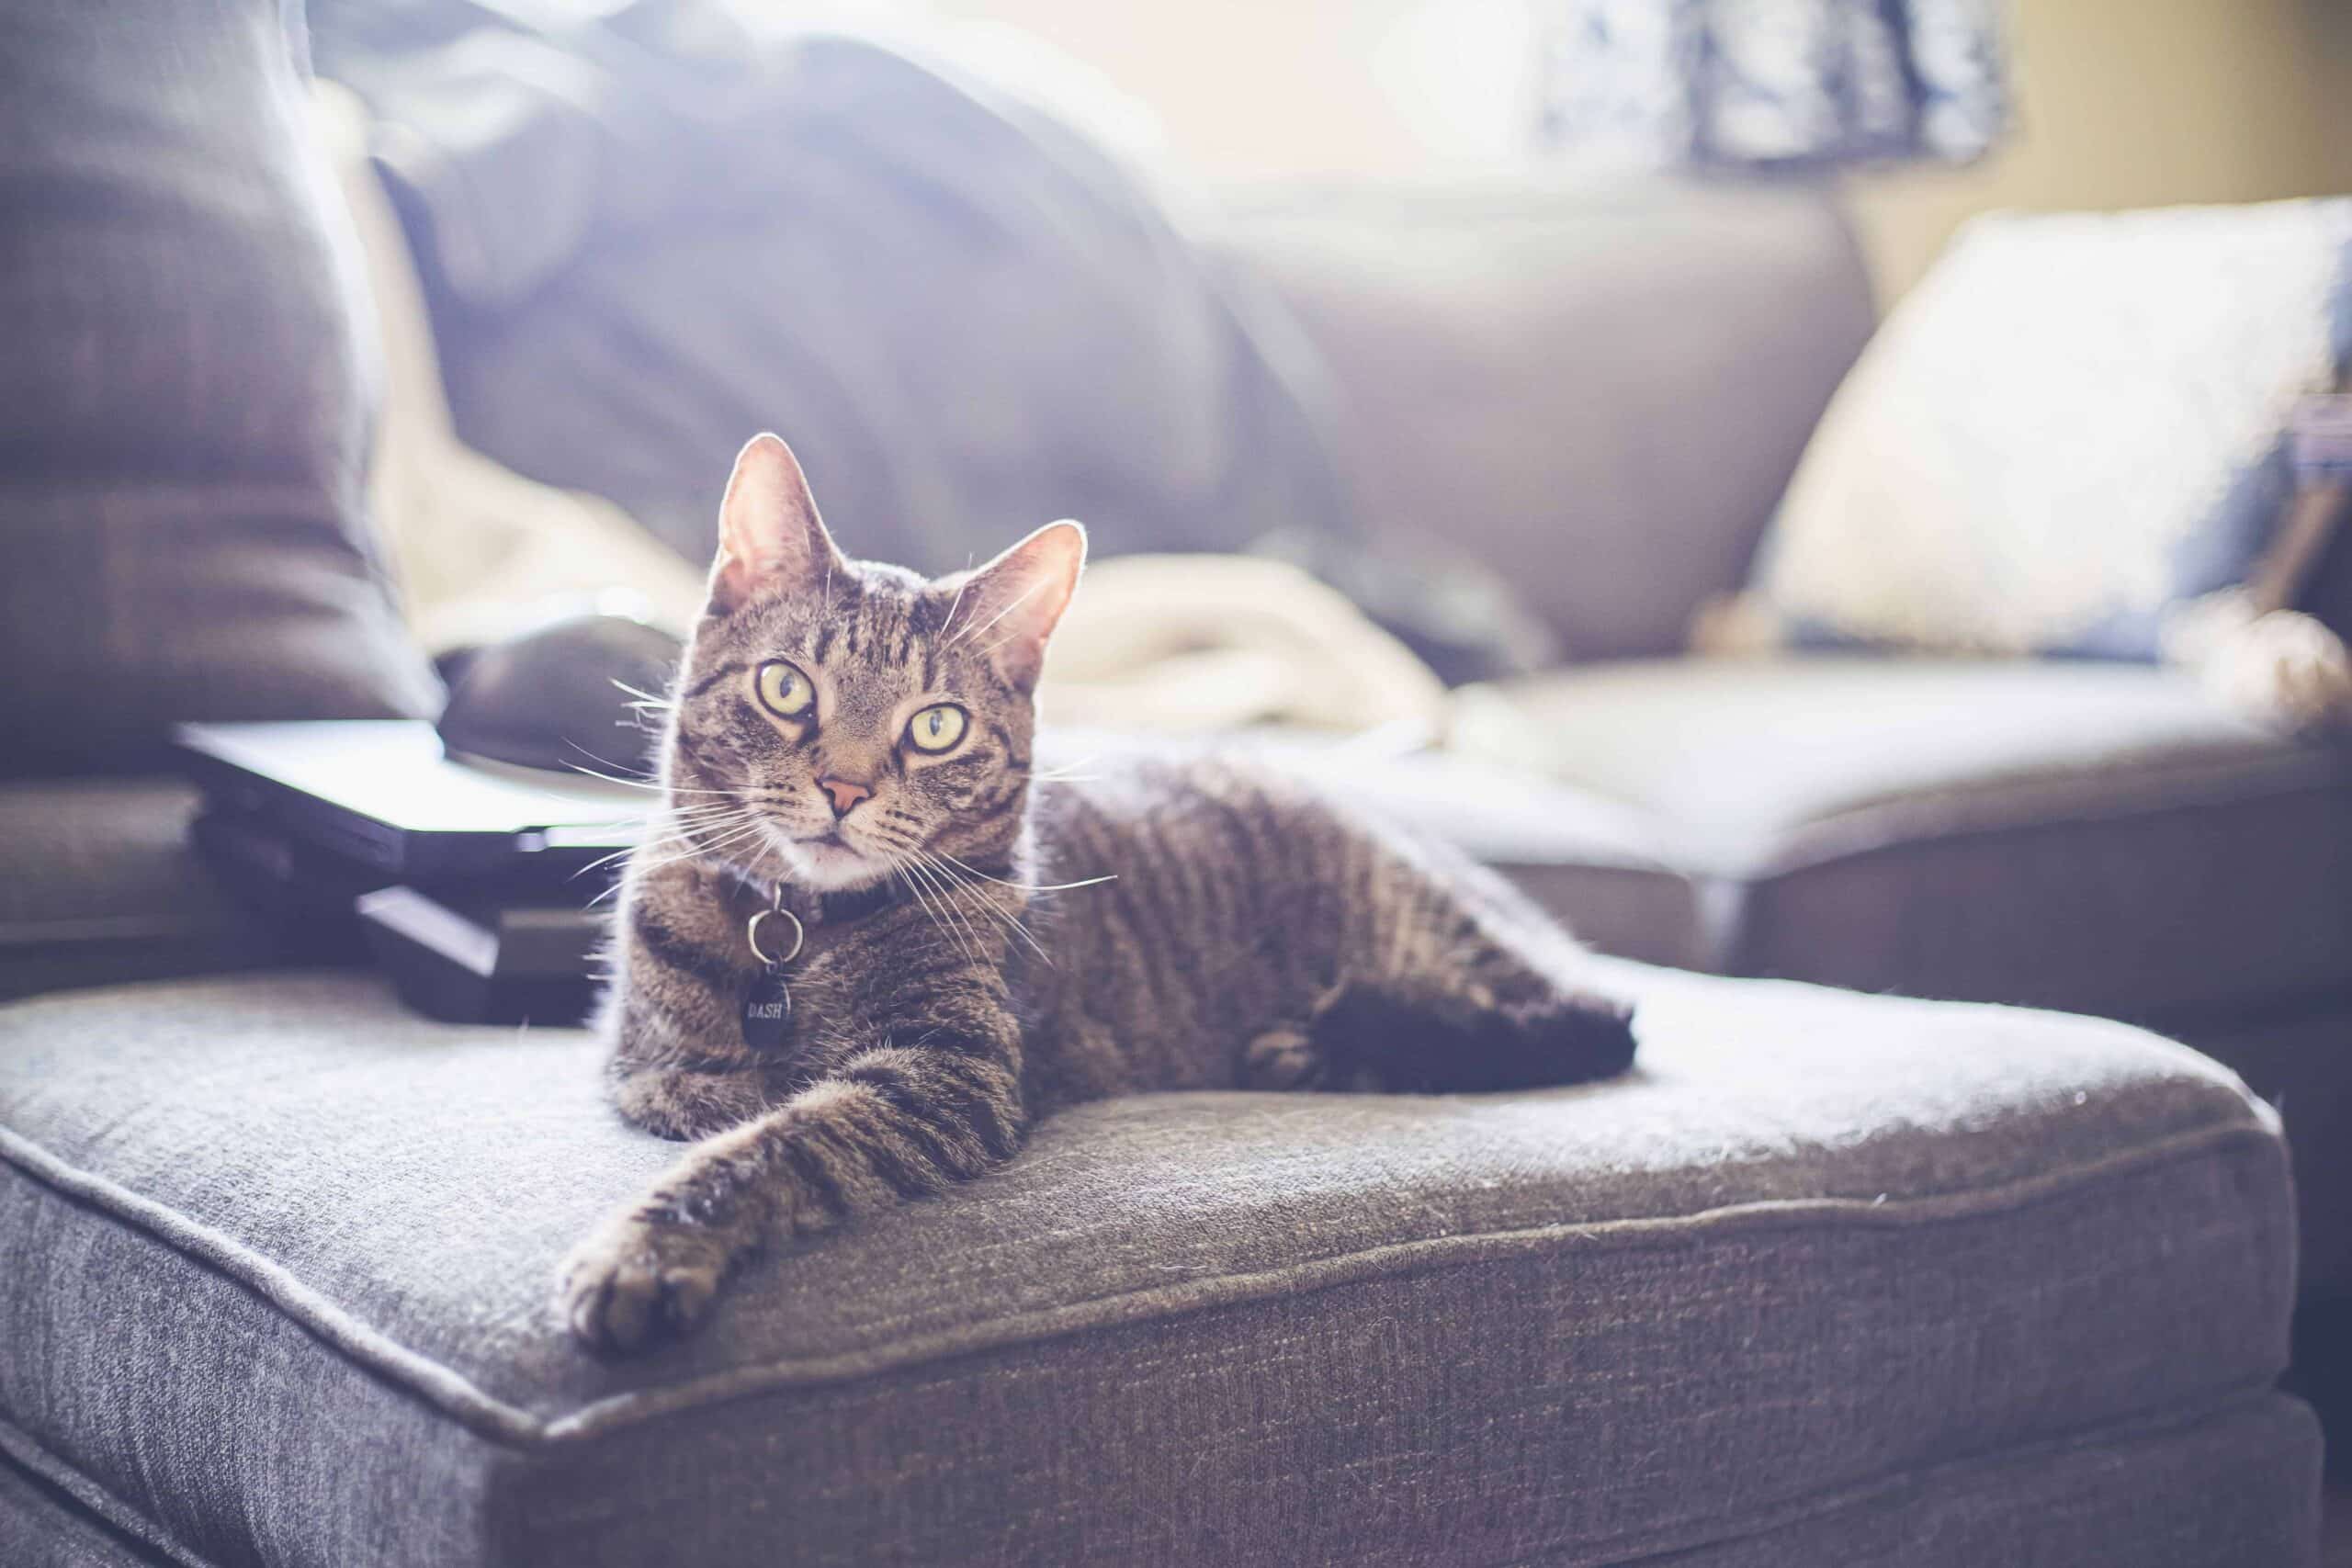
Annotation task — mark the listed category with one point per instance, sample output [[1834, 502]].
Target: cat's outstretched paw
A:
[[637, 1280]]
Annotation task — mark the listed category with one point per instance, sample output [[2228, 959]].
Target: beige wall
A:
[[2135, 103], [2124, 102]]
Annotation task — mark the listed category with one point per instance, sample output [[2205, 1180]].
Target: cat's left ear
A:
[[1010, 605], [770, 537]]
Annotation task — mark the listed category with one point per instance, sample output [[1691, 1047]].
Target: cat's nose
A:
[[844, 795]]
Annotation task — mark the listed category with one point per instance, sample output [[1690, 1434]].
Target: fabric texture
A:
[[2101, 837], [1989, 828], [43, 1525], [1559, 380], [647, 235], [1773, 82], [2233, 1489], [182, 533], [2074, 423], [1817, 1245], [99, 882], [2295, 1058]]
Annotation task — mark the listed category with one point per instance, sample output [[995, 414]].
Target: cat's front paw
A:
[[637, 1280]]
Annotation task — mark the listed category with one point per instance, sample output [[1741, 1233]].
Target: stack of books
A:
[[481, 890]]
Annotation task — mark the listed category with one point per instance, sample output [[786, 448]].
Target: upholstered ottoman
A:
[[1829, 1279]]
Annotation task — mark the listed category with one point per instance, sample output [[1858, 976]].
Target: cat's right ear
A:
[[769, 538]]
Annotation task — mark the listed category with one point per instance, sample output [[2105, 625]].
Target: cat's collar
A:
[[814, 909]]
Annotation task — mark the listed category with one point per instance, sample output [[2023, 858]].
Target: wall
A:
[[2135, 103], [2124, 102]]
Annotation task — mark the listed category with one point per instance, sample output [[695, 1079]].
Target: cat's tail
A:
[[1400, 1039]]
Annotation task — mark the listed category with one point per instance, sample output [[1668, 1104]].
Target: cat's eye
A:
[[937, 728], [784, 691]]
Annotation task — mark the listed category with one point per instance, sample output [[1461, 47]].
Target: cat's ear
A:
[[1010, 605], [770, 536]]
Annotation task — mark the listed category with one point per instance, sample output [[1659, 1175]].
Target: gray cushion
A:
[[2097, 837], [1600, 389], [2303, 1063], [2228, 1490], [98, 884], [288, 1252], [43, 1525], [185, 407]]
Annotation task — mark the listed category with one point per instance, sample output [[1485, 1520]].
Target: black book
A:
[[475, 962]]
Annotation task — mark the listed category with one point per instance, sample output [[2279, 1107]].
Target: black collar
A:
[[848, 904], [814, 909]]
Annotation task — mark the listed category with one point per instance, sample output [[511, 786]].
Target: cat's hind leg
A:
[[1396, 1035], [1469, 987]]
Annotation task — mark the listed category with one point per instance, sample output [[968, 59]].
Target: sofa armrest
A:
[[1599, 390]]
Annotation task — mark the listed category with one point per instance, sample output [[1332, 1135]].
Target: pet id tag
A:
[[767, 1010]]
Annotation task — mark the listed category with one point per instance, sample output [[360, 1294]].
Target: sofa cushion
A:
[[186, 407], [1814, 1246], [2097, 837], [1560, 376], [2301, 1062], [2232, 1489], [99, 883], [42, 1527]]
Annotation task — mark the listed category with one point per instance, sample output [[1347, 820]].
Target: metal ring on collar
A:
[[751, 935]]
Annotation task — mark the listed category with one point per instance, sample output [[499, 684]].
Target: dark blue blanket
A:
[[648, 233]]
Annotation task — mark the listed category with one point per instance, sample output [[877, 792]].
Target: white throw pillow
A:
[[2073, 424]]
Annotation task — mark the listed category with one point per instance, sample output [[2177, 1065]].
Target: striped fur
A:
[[1254, 935]]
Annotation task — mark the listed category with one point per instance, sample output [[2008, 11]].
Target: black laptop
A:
[[382, 796]]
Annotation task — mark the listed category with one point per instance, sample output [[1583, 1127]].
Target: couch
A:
[[1601, 393], [1833, 1276]]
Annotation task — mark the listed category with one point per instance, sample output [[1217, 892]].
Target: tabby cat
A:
[[866, 945]]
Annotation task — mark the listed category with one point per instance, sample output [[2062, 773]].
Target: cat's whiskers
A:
[[987, 904], [603, 861], [1061, 774], [695, 848], [644, 699], [733, 799], [712, 837], [970, 940], [688, 824], [711, 810], [654, 786], [695, 830], [955, 605], [910, 854], [1030, 886], [905, 873], [714, 841]]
